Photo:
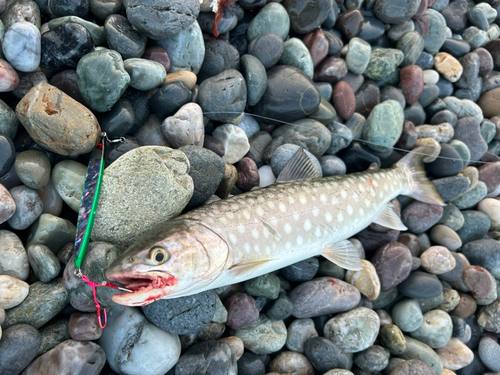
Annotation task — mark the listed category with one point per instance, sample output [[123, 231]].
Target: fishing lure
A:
[[86, 214]]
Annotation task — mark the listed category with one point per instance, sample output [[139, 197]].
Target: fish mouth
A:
[[146, 288]]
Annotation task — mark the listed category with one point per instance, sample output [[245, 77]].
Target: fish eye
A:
[[159, 255]]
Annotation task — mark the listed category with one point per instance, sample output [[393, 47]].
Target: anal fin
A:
[[238, 269], [299, 168], [389, 218], [344, 254]]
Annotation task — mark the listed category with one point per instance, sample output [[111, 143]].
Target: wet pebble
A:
[[265, 336], [18, 348], [392, 338], [7, 205], [84, 326], [298, 332], [366, 280], [489, 351], [421, 285], [436, 329], [241, 311], [324, 354], [407, 315], [419, 216], [33, 168], [437, 260], [43, 262]]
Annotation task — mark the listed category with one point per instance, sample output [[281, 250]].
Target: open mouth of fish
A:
[[144, 288]]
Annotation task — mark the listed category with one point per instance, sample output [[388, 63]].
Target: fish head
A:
[[175, 261]]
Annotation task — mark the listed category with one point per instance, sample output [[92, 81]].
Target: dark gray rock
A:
[[123, 37], [205, 358], [301, 271], [305, 16], [476, 225], [18, 347], [451, 187], [219, 56], [324, 354], [182, 315], [484, 253], [421, 285]]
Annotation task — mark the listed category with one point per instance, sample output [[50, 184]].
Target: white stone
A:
[[186, 127], [431, 77], [266, 176], [21, 46], [13, 256], [234, 140], [491, 207], [12, 291], [134, 346], [455, 354]]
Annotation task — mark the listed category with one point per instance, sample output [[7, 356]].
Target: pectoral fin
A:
[[389, 218], [299, 168], [343, 254], [238, 269]]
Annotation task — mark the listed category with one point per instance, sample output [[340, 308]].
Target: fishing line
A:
[[306, 127]]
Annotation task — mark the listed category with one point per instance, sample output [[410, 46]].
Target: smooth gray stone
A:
[[299, 331], [33, 168], [44, 263], [9, 123], [145, 74], [255, 77], [21, 46], [20, 11], [29, 207], [186, 49], [211, 354], [436, 329], [489, 351], [407, 315], [123, 37], [295, 53], [373, 359], [273, 18], [18, 347]]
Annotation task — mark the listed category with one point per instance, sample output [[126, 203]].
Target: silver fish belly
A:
[[258, 232]]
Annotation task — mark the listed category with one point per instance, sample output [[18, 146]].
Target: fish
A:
[[258, 232]]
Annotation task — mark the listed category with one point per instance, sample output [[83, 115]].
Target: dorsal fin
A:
[[299, 168], [389, 218], [344, 254]]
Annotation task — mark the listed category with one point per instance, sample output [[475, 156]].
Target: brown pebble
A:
[[412, 83], [189, 78], [365, 280], [393, 263], [479, 281], [466, 307], [8, 77], [317, 44], [485, 61], [344, 100], [235, 344], [367, 97], [455, 354], [349, 23], [228, 181], [291, 363], [74, 129], [408, 136], [248, 174], [489, 103], [490, 174], [241, 311], [448, 66], [159, 55], [84, 326]]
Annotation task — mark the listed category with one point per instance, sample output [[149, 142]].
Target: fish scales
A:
[[251, 234], [293, 220]]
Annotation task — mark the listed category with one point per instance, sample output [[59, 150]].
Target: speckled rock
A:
[[158, 166], [353, 331], [265, 336], [455, 355], [436, 329], [391, 115], [12, 291], [488, 352], [185, 127], [392, 338], [13, 256], [418, 350], [299, 331]]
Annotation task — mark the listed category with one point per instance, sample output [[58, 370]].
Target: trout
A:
[[248, 235]]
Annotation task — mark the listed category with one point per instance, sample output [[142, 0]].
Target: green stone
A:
[[51, 231], [44, 302], [358, 55], [96, 31], [267, 285], [452, 217], [295, 53], [416, 349], [436, 35], [431, 303], [8, 121], [411, 44], [101, 91], [256, 77], [68, 177], [471, 197], [393, 339], [325, 89], [53, 333], [383, 62], [145, 74], [407, 315], [44, 263], [273, 18], [462, 150], [436, 329], [384, 125], [385, 298], [330, 269], [488, 130]]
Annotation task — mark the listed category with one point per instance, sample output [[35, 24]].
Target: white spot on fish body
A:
[[343, 194], [318, 232], [340, 217], [328, 217], [288, 245], [300, 240], [355, 197], [361, 187], [247, 214], [230, 215], [296, 216], [315, 211], [349, 209], [247, 247], [288, 228], [303, 199], [381, 194], [282, 207], [233, 238], [307, 225], [223, 220], [291, 200], [386, 188], [367, 202], [241, 229], [361, 211], [323, 198], [335, 201], [373, 193], [255, 234], [377, 176], [260, 211], [375, 183], [271, 205], [256, 248]]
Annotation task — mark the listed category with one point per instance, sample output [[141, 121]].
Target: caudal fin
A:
[[420, 187]]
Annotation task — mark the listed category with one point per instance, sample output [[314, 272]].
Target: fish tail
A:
[[420, 188]]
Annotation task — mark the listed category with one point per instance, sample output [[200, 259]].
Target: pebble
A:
[[298, 332], [144, 74], [476, 225], [307, 133], [375, 358], [255, 76], [51, 231], [436, 329], [451, 187], [324, 354], [448, 66], [386, 12], [28, 207], [272, 18], [122, 37], [353, 331], [185, 127], [18, 348], [418, 350], [301, 271], [251, 364], [158, 54], [84, 326], [350, 22], [265, 336], [241, 311], [455, 355], [74, 129], [33, 168], [68, 177], [412, 83], [421, 285], [479, 281], [413, 366], [383, 62], [392, 338], [7, 205], [267, 48], [291, 362], [9, 78], [129, 337], [21, 46], [407, 315], [43, 262], [344, 100], [64, 46], [437, 260], [323, 296], [12, 292], [383, 138], [13, 259], [490, 207], [219, 56], [44, 301], [419, 216], [305, 19], [53, 333], [366, 281], [488, 353], [234, 141]]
